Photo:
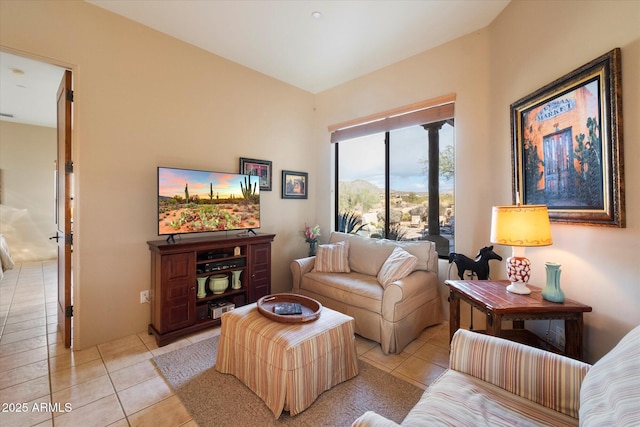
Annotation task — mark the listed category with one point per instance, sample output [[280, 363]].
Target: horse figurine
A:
[[479, 266]]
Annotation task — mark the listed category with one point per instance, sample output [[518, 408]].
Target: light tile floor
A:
[[116, 384]]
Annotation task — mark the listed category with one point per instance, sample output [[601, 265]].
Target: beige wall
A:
[[145, 99], [27, 156], [458, 67], [529, 45], [532, 44]]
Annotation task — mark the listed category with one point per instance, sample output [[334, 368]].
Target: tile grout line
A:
[[17, 284], [13, 293], [72, 366], [432, 338], [53, 423], [41, 284], [115, 391]]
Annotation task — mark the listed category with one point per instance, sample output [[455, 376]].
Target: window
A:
[[388, 184]]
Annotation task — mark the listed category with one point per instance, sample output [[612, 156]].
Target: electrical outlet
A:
[[560, 339], [144, 297]]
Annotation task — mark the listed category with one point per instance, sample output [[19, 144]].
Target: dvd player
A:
[[223, 265]]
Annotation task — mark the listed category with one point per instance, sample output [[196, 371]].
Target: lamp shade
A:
[[521, 225]]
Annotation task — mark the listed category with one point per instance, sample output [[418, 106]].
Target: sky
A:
[[363, 158], [171, 182]]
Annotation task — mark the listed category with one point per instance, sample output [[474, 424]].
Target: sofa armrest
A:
[[407, 289], [546, 378], [300, 267], [371, 419]]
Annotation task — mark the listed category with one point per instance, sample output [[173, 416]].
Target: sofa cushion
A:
[[610, 393], [367, 255], [333, 258], [355, 289], [458, 399], [397, 266]]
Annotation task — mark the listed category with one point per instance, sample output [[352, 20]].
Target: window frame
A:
[[421, 114]]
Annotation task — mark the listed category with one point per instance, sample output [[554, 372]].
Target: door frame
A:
[[75, 181], [64, 205]]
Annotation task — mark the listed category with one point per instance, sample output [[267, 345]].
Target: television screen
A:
[[194, 201]]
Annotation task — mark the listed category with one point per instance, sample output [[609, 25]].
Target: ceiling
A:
[[281, 38], [28, 90]]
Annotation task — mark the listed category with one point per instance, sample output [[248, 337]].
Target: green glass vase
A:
[[202, 291], [552, 291]]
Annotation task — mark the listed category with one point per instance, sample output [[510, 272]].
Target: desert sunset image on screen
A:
[[194, 201]]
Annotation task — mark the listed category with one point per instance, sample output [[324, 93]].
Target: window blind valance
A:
[[435, 110]]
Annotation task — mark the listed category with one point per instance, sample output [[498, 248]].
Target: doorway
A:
[[29, 137]]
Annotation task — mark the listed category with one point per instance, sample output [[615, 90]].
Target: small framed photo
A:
[[259, 168], [294, 185]]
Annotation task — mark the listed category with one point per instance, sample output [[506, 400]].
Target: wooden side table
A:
[[491, 298]]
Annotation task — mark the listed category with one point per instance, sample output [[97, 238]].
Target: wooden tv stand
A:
[[175, 308]]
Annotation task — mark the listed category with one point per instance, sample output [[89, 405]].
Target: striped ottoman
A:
[[287, 365]]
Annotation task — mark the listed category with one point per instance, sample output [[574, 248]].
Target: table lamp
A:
[[520, 226]]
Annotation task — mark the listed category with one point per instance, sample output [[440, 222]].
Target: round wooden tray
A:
[[310, 308]]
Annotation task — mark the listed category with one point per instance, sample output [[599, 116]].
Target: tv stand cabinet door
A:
[[260, 266], [178, 291]]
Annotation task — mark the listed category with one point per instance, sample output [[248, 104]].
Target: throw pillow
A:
[[332, 258], [609, 392], [399, 265]]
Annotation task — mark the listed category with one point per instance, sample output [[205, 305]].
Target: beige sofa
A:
[[495, 382], [393, 315]]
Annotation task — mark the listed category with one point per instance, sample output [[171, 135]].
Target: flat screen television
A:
[[196, 201]]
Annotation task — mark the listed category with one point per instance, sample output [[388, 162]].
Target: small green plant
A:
[[396, 232], [349, 222]]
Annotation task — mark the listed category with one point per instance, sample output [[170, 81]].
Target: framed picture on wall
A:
[[567, 146], [259, 168], [294, 185]]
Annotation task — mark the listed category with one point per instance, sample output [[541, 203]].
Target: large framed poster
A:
[[567, 146]]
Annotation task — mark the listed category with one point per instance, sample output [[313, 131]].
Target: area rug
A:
[[215, 399]]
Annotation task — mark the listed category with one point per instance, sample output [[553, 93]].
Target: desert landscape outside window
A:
[[383, 188]]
